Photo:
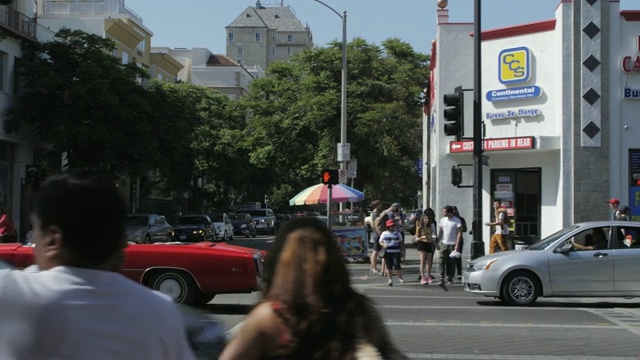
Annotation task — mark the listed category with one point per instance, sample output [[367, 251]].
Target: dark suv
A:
[[193, 228]]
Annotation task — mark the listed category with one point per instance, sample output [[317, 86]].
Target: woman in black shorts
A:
[[425, 239]]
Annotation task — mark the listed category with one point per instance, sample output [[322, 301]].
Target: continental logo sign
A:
[[514, 66]]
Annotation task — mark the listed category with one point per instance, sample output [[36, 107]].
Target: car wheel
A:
[[169, 238], [255, 233], [520, 288], [147, 239], [178, 285]]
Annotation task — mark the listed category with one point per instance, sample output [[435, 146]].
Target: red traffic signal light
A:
[[330, 177]]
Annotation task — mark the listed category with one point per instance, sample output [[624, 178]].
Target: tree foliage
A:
[[82, 100], [294, 117]]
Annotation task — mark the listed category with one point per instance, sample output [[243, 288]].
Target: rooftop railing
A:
[[98, 7]]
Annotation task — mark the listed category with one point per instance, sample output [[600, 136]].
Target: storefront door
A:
[[519, 193]]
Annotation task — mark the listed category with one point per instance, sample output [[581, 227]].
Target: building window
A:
[[273, 50], [258, 37], [288, 49], [239, 50], [273, 36], [289, 38], [230, 37], [239, 61], [125, 58], [3, 72]]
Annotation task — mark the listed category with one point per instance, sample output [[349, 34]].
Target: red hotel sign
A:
[[515, 143]]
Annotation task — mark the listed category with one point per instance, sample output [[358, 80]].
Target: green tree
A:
[[295, 117], [200, 131], [82, 100]]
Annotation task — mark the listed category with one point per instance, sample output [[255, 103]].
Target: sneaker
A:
[[423, 281], [390, 282], [401, 281], [459, 277], [374, 272], [441, 282], [430, 279]]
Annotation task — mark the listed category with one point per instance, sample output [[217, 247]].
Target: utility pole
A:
[[477, 244]]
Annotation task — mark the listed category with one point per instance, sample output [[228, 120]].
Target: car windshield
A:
[[546, 242], [216, 217], [255, 212], [190, 220], [237, 216], [137, 220]]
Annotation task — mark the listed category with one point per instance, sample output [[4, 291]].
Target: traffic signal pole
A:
[[477, 244]]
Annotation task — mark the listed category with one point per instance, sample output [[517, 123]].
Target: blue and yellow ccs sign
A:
[[514, 66]]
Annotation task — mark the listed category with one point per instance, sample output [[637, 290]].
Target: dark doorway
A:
[[519, 192]]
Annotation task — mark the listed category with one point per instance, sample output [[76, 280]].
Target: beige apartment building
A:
[[261, 35]]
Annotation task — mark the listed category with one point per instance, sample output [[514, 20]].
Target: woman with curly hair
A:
[[309, 309]]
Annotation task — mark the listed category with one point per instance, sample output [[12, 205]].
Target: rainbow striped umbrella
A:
[[317, 194]]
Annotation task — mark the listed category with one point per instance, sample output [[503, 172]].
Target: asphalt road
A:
[[445, 322]]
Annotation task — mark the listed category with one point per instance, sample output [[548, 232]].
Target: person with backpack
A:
[[500, 222]]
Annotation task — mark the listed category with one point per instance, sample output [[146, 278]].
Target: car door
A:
[[582, 271], [626, 260], [154, 228], [227, 223], [208, 226]]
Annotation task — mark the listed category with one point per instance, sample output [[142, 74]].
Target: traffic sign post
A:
[[342, 176]]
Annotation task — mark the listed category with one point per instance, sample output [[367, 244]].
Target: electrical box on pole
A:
[[454, 114]]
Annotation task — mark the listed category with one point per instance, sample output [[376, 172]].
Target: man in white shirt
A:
[[76, 307], [450, 234]]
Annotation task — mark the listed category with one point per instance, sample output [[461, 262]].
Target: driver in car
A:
[[597, 240]]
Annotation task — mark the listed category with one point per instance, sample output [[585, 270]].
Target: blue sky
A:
[[201, 23]]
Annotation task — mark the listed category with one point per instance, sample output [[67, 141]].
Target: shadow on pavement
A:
[[231, 309]]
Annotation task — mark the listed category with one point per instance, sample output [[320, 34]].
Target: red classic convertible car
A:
[[190, 273]]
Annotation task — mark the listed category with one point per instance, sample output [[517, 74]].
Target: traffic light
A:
[[456, 176], [454, 114], [330, 177]]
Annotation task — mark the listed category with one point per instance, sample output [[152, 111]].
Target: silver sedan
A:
[[591, 259]]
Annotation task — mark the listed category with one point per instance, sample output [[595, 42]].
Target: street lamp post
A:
[[344, 149], [477, 245]]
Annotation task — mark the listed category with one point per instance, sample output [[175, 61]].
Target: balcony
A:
[[96, 7], [17, 24]]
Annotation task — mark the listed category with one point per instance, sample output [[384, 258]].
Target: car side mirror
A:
[[564, 249]]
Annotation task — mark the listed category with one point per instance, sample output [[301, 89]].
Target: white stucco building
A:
[[560, 136], [204, 68]]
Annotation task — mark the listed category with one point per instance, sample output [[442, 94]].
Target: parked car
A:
[[243, 224], [265, 220], [194, 228], [281, 219], [555, 267], [192, 274], [148, 228], [222, 226]]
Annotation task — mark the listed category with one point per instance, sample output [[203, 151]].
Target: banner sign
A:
[[514, 143]]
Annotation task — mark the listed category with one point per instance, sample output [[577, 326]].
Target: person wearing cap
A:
[[391, 241], [614, 204]]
